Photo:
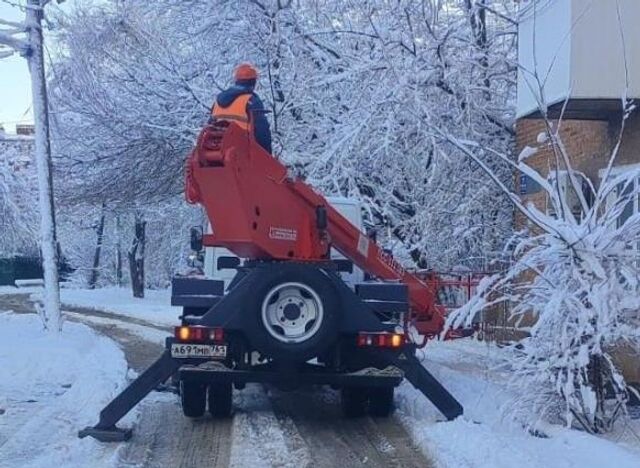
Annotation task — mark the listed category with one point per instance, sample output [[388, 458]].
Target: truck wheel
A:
[[175, 382], [354, 401], [220, 400], [193, 397], [381, 401], [296, 312]]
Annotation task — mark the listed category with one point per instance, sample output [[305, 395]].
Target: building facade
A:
[[577, 61]]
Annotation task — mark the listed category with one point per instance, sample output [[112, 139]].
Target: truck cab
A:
[[216, 258]]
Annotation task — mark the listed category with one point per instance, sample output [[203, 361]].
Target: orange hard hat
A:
[[245, 71]]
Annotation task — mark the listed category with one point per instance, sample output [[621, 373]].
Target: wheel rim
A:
[[292, 312]]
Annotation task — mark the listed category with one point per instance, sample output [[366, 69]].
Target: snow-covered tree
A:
[[166, 241], [18, 215], [395, 65], [576, 273], [349, 85]]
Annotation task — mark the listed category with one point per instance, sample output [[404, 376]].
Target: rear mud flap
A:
[[106, 430]]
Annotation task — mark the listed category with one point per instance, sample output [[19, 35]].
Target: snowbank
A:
[[482, 438], [52, 386], [23, 290], [155, 307]]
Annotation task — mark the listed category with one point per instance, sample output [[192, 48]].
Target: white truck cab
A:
[[349, 208]]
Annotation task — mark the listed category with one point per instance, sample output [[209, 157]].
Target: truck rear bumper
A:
[[311, 375]]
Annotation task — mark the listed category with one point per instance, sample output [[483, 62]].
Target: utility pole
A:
[[32, 49], [48, 239]]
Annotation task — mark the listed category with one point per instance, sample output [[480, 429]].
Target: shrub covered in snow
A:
[[575, 272]]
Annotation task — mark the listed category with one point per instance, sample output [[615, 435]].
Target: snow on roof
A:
[[15, 137]]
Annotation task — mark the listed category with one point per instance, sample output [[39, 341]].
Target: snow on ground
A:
[[152, 335], [52, 386], [38, 401], [155, 307], [152, 308], [255, 425], [483, 437]]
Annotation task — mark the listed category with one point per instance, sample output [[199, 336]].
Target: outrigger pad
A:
[[106, 430], [115, 434]]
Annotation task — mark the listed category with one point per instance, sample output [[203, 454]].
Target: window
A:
[[561, 180], [631, 206], [624, 190]]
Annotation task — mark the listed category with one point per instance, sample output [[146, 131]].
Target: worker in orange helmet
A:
[[241, 104]]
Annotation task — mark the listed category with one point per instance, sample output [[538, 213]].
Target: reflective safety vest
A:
[[236, 112]]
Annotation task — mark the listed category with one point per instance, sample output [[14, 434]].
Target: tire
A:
[[381, 401], [318, 296], [220, 400], [354, 401], [174, 381], [193, 397]]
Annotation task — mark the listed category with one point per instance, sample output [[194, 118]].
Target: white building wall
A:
[[544, 49], [597, 52], [576, 48]]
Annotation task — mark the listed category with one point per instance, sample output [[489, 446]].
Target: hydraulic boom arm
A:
[[367, 255], [266, 214]]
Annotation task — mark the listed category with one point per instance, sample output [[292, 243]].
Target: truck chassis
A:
[[344, 357]]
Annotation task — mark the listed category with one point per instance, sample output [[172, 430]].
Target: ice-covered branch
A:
[[7, 38]]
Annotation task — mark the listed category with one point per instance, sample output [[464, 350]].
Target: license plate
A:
[[179, 350]]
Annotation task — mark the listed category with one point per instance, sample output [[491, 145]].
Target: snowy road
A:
[[269, 427], [327, 439]]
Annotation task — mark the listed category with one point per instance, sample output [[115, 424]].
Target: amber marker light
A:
[[396, 341], [182, 333]]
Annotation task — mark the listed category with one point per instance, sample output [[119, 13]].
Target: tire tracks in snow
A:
[[332, 440], [162, 436], [272, 428]]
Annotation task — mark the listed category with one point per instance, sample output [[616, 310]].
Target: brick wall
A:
[[630, 147], [25, 129], [588, 142]]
